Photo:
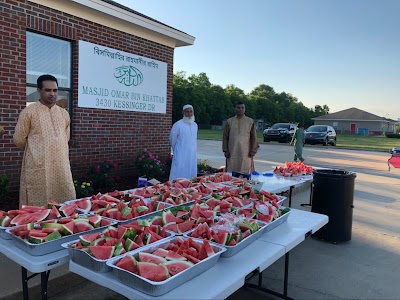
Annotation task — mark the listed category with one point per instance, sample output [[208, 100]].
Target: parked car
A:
[[280, 132], [320, 134]]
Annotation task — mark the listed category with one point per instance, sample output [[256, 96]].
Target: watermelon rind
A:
[[151, 258], [125, 211], [130, 233], [176, 266], [51, 225], [5, 221], [67, 229], [119, 249], [142, 208], [35, 240], [130, 245], [88, 238], [175, 256], [53, 236], [95, 220]]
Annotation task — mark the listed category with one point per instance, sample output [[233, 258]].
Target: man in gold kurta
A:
[[240, 142], [42, 132]]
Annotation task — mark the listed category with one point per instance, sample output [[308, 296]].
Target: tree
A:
[[320, 111]]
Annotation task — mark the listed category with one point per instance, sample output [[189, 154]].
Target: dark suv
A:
[[320, 134], [280, 132]]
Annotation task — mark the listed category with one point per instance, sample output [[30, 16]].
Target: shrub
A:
[[149, 165], [104, 174], [392, 135], [83, 189], [203, 166]]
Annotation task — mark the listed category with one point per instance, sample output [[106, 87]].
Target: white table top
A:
[[278, 184], [34, 264], [292, 232], [219, 282], [228, 275]]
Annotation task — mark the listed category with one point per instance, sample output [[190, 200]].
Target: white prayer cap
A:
[[187, 106]]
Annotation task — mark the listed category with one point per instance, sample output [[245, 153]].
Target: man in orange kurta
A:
[[42, 132], [240, 142]]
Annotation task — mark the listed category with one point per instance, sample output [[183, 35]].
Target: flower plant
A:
[[104, 174], [203, 166], [83, 189], [149, 165]]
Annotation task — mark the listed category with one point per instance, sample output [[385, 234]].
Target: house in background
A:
[[356, 121]]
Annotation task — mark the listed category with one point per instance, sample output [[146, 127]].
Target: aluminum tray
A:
[[51, 246], [232, 250], [278, 221], [4, 234], [159, 288], [98, 265]]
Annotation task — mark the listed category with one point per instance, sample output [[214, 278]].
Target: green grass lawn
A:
[[343, 140]]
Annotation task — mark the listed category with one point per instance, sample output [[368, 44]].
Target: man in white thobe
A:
[[183, 138]]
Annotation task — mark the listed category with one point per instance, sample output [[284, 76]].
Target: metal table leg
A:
[[44, 279], [285, 282], [25, 283], [311, 192]]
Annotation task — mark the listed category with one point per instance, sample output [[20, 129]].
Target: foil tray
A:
[[159, 288], [4, 234], [98, 265], [232, 250], [278, 221], [51, 246]]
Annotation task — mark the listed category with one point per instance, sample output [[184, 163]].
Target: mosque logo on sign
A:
[[128, 75]]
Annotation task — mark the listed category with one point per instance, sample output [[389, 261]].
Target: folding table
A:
[[229, 274], [34, 264]]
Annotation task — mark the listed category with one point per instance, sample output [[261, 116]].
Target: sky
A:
[[339, 53]]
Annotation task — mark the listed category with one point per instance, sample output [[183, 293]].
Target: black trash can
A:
[[333, 195]]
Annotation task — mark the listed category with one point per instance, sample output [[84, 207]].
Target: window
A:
[[48, 55]]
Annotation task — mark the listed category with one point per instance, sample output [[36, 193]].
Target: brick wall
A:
[[96, 134]]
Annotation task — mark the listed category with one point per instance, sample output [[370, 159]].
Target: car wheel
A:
[[333, 142], [326, 142], [288, 139]]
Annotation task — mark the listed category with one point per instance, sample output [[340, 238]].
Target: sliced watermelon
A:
[[152, 258], [68, 209], [88, 238], [95, 220], [82, 226], [102, 252], [172, 255], [174, 267], [161, 252], [128, 263], [68, 229], [153, 272]]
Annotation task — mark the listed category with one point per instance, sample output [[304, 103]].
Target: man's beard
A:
[[188, 120]]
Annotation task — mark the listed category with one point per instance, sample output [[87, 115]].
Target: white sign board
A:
[[113, 79]]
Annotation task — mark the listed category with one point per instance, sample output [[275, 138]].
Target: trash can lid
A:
[[335, 173]]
